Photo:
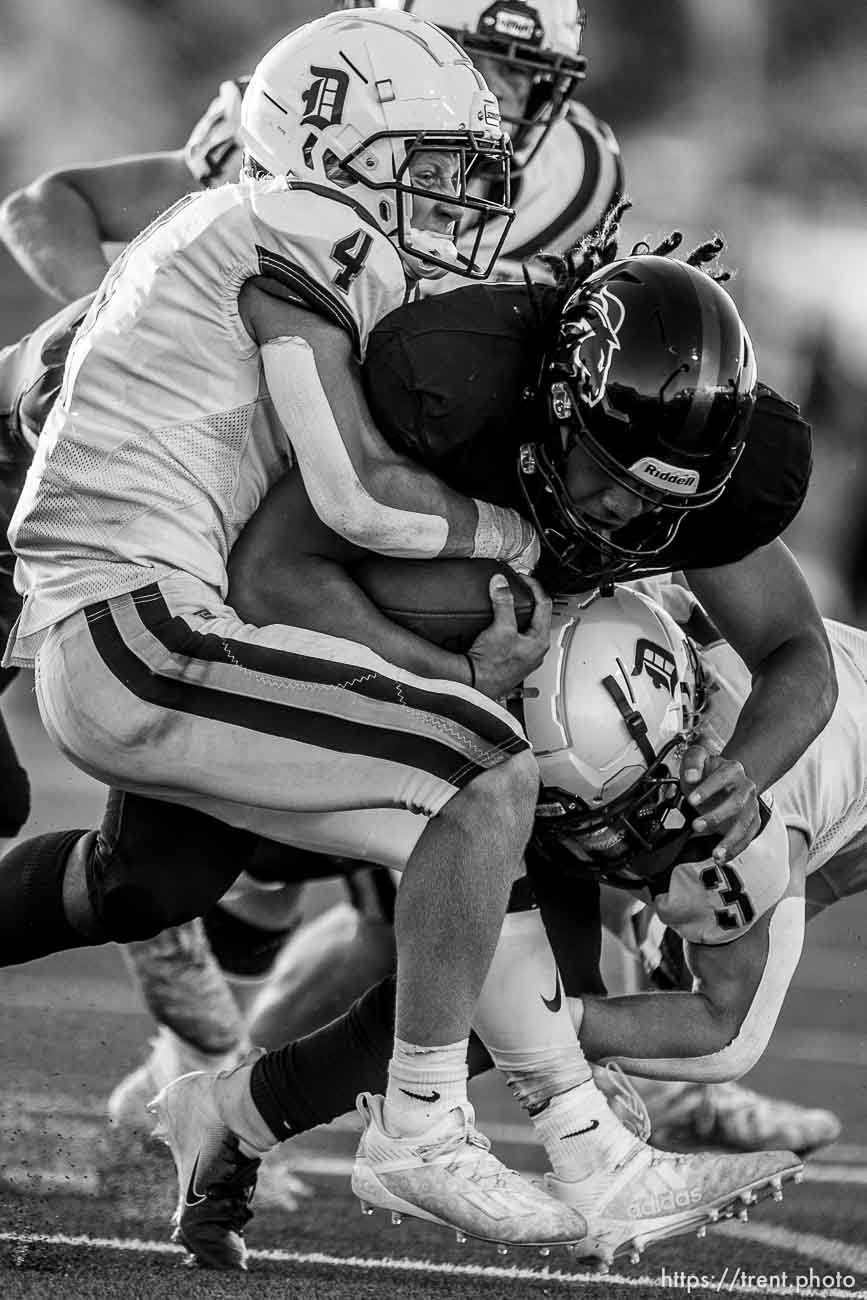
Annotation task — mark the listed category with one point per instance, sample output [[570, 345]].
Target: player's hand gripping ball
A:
[[445, 601]]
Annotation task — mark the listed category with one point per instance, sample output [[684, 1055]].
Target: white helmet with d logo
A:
[[608, 713], [354, 99]]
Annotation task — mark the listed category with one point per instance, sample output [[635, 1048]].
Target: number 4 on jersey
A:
[[350, 253]]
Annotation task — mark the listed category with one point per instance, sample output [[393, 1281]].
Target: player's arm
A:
[[764, 609], [56, 226], [358, 485], [287, 567], [720, 1029]]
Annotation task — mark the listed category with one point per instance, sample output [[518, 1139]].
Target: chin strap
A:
[[635, 724]]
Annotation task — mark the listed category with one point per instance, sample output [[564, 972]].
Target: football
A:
[[445, 601]]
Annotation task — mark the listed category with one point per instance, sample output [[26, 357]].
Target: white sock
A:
[[424, 1084], [240, 1113], [580, 1133]]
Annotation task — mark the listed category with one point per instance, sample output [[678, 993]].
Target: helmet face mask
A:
[[351, 100], [512, 36], [575, 544], [538, 41], [470, 156], [631, 823], [653, 375]]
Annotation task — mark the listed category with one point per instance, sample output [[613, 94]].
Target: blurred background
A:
[[747, 117]]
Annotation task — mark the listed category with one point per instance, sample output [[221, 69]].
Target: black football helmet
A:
[[653, 373]]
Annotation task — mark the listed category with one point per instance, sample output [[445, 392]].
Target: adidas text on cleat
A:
[[447, 1175], [216, 1180], [653, 1195]]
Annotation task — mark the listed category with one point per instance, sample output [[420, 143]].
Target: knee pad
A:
[[155, 865]]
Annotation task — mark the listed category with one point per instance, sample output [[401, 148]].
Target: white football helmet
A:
[[539, 40], [351, 100], [609, 713]]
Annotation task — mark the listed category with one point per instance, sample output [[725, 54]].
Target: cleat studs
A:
[[777, 1193], [713, 1216], [502, 1250], [365, 1208], [749, 1198], [544, 1251], [799, 1176], [460, 1237], [744, 1215], [701, 1233], [396, 1218], [635, 1256]]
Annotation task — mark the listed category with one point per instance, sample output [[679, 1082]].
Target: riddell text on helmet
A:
[[684, 481]]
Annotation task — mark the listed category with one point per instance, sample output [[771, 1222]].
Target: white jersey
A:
[[164, 439], [562, 194], [824, 795]]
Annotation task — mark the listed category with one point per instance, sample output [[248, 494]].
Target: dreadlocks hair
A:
[[702, 256], [569, 269], [601, 247]]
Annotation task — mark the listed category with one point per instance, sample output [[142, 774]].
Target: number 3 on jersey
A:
[[350, 253], [738, 910]]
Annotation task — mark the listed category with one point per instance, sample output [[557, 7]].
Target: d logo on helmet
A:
[[595, 338], [324, 99]]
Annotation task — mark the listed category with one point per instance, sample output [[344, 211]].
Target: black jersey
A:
[[450, 381]]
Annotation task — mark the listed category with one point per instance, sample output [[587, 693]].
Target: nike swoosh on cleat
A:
[[554, 1004], [420, 1096], [594, 1123], [194, 1196]]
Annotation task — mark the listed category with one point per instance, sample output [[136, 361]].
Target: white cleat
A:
[[216, 1180], [169, 1058], [729, 1115], [653, 1195], [447, 1175]]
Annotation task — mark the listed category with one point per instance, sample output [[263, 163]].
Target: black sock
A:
[[317, 1078], [32, 921]]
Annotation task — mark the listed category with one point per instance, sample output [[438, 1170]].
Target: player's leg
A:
[[190, 703], [15, 804], [15, 801], [630, 1193]]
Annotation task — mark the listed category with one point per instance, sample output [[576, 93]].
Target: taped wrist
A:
[[501, 533]]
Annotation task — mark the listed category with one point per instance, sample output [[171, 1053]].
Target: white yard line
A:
[[734, 1282]]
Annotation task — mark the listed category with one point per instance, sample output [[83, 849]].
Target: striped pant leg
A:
[[159, 693]]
